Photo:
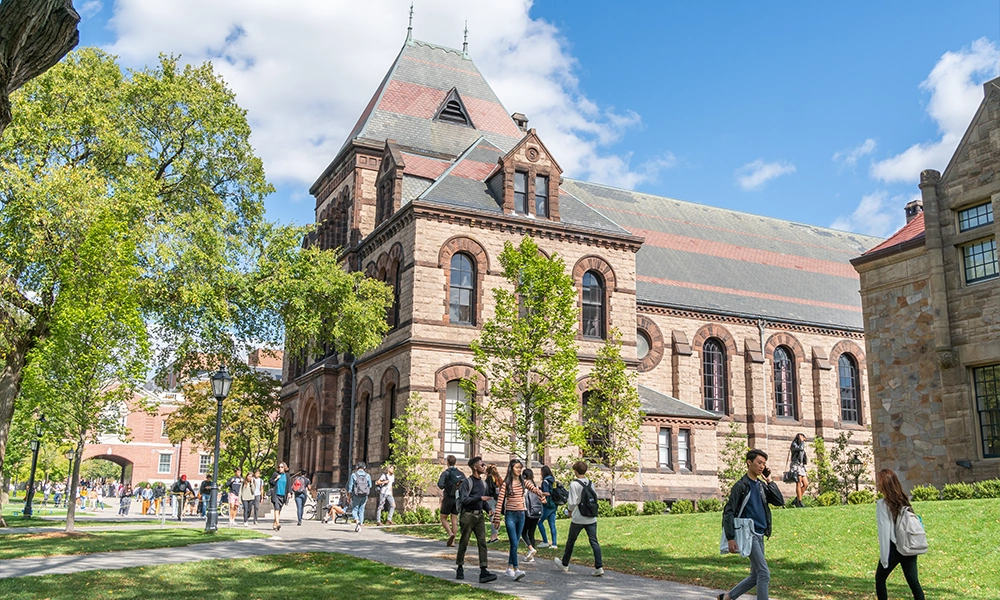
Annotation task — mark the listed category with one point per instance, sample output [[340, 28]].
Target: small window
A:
[[642, 344], [986, 381], [204, 463], [849, 392], [977, 216], [713, 360], [593, 305], [663, 447], [980, 260], [164, 464], [541, 196], [463, 290], [455, 399], [784, 382], [163, 428], [520, 192], [684, 449]]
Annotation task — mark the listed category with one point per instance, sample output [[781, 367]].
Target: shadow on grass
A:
[[299, 576], [55, 544]]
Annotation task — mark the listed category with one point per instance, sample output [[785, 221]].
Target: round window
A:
[[642, 344]]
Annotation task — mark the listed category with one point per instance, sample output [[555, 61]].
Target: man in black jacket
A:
[[758, 490], [473, 504]]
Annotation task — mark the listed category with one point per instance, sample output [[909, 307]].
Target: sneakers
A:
[[486, 577], [553, 547], [460, 572], [530, 556], [561, 566], [515, 574], [542, 545], [599, 572], [357, 527]]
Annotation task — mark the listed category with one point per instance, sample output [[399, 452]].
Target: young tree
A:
[[411, 443], [250, 419], [733, 460], [527, 353], [822, 473], [612, 416]]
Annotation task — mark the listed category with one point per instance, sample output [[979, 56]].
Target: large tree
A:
[[527, 354], [612, 416]]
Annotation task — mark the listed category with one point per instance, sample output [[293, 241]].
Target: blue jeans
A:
[[203, 510], [548, 516], [760, 575], [300, 506], [358, 509], [515, 527]]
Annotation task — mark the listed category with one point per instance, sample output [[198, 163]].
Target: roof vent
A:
[[453, 111], [521, 121]]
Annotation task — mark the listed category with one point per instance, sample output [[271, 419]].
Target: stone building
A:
[[726, 316], [931, 299]]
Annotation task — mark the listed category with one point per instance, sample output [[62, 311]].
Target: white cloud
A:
[[877, 214], [306, 74], [849, 158], [90, 8], [956, 92], [753, 176]]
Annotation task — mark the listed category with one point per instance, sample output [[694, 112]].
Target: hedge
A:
[[921, 493], [654, 507], [682, 507], [861, 497], [710, 505], [957, 491], [627, 509]]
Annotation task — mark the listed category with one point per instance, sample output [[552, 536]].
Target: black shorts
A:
[[449, 506], [278, 502]]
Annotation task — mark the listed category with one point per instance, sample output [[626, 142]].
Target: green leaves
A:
[[411, 441]]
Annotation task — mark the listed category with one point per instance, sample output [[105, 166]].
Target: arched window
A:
[[366, 425], [390, 414], [593, 305], [395, 295], [455, 400], [286, 439], [849, 389], [463, 290], [713, 360], [784, 382]]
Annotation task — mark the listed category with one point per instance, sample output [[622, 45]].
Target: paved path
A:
[[543, 580]]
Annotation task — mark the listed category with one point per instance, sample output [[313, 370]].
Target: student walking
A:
[[887, 511], [258, 493], [233, 486], [473, 502], [279, 493], [549, 509], [758, 490], [449, 480], [181, 489], [384, 484], [798, 467], [300, 487], [124, 501], [532, 513], [493, 481], [582, 507], [246, 496], [511, 507], [205, 491], [359, 486]]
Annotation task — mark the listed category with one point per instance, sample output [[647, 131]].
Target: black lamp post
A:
[[220, 389], [70, 455], [35, 445], [855, 468]]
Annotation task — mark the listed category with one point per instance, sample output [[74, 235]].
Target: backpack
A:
[[452, 482], [299, 484], [177, 487], [559, 495], [911, 539], [361, 485], [588, 500]]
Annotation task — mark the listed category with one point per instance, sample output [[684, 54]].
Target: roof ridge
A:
[[448, 171], [719, 208], [460, 54]]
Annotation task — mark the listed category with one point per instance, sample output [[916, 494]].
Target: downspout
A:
[[354, 391], [761, 326]]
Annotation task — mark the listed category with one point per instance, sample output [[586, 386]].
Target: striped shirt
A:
[[514, 502]]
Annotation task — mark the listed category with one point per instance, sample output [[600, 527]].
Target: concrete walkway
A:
[[543, 581]]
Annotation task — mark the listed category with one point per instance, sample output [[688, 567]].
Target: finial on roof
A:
[[409, 30], [465, 43]]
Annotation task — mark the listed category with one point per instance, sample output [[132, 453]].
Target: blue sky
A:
[[822, 114]]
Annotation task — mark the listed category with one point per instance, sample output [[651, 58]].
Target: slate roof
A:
[[659, 404], [706, 258], [405, 103]]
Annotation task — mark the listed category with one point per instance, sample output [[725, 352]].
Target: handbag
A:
[[744, 532], [789, 477]]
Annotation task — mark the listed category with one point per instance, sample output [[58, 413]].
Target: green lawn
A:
[[298, 576], [816, 553], [20, 545]]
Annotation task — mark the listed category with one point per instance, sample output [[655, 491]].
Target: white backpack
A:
[[911, 539]]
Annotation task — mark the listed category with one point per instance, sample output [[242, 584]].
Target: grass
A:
[[814, 554], [20, 545], [299, 576]]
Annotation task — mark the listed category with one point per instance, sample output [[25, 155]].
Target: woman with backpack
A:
[[549, 509], [511, 506], [493, 482], [798, 467], [888, 510], [300, 488], [532, 513], [246, 497]]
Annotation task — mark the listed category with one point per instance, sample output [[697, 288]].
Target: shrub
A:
[[957, 491], [627, 509], [682, 507], [710, 505], [921, 493], [986, 489], [828, 499], [861, 497], [604, 509], [424, 515], [654, 507], [407, 518], [790, 503], [809, 501]]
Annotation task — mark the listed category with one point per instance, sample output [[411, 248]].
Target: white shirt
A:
[[386, 490], [258, 484], [575, 494], [886, 531]]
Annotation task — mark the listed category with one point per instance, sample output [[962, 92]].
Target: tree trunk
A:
[[73, 484], [34, 36], [10, 387]]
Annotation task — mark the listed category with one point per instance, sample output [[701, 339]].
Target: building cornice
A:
[[749, 320]]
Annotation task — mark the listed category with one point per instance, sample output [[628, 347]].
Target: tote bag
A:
[[744, 532]]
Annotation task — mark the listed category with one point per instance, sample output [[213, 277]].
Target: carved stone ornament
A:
[[532, 154]]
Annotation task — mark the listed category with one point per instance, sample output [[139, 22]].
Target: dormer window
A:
[[541, 196], [453, 110], [520, 192]]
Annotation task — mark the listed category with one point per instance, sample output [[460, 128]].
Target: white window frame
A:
[[170, 462], [684, 450], [204, 467], [454, 443], [663, 450]]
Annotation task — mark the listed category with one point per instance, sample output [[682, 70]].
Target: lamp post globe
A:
[[221, 382]]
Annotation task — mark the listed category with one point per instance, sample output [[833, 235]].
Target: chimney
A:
[[521, 120], [913, 208]]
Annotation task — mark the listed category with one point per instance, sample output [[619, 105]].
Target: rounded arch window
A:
[[713, 356], [642, 344], [847, 369], [462, 290], [593, 305], [784, 382]]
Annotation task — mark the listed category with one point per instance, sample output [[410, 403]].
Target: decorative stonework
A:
[[655, 343], [475, 251]]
